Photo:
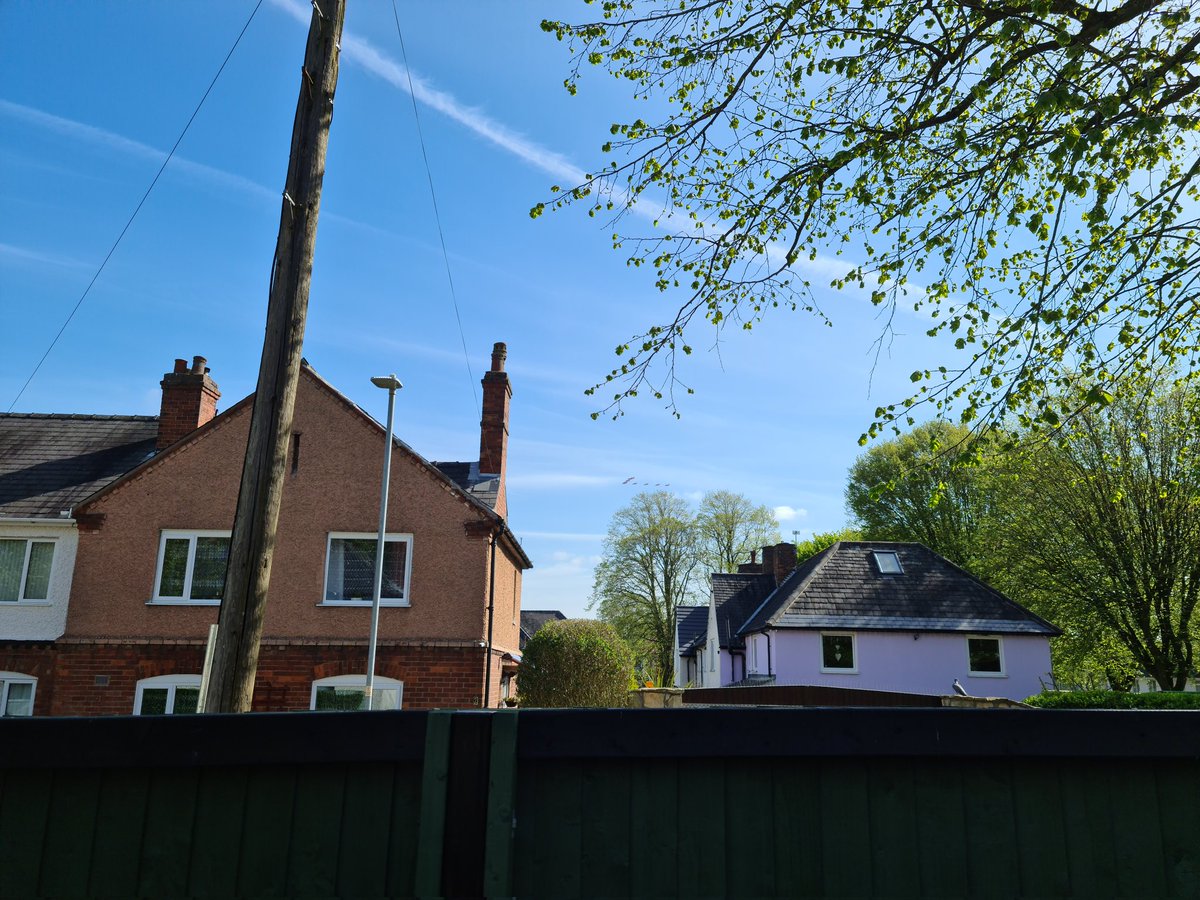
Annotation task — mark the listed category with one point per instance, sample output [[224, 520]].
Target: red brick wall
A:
[[434, 676]]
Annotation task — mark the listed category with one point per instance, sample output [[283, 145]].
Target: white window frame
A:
[[390, 538], [894, 555], [179, 534], [29, 542], [1003, 673], [841, 670], [158, 682], [7, 679], [357, 681]]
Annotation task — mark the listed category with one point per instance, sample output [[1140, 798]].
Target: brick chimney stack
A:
[[493, 429], [779, 560], [189, 400]]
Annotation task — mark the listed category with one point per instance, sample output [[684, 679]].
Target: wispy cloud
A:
[[100, 137], [22, 254], [562, 536], [559, 480]]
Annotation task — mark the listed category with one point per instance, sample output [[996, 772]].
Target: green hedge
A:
[[575, 662], [1115, 700]]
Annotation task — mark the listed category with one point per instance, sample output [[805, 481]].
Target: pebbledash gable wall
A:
[[435, 645]]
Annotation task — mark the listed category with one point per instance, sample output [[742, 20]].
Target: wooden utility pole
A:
[[235, 659]]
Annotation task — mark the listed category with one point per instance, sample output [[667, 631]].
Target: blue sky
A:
[[93, 95]]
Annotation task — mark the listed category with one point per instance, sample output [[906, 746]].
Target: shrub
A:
[[1115, 700], [575, 662]]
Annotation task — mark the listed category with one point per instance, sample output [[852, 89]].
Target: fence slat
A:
[[1041, 841], [1179, 815], [750, 854], [654, 814], [24, 813], [502, 796], [217, 831], [992, 867], [702, 827], [70, 831], [940, 823], [120, 827], [167, 837], [428, 880], [267, 832], [894, 849], [365, 826], [1140, 865], [845, 815], [316, 831]]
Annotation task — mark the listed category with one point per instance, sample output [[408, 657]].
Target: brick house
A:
[[151, 546]]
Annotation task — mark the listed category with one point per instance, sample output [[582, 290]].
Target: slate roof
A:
[[51, 462], [691, 624], [737, 596], [842, 587], [485, 488], [533, 619]]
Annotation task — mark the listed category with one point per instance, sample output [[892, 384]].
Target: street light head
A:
[[387, 382]]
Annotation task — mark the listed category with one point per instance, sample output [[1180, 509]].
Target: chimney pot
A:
[[499, 355], [181, 366], [198, 365]]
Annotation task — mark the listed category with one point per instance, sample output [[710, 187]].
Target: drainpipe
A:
[[487, 662], [767, 635]]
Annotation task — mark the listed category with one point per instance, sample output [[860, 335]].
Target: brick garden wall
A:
[[101, 679]]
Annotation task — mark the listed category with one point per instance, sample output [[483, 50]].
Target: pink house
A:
[[871, 615]]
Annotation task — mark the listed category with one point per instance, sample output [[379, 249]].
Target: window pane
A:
[[985, 654], [186, 700], [393, 569], [154, 702], [208, 571], [358, 569], [387, 698], [12, 560], [20, 699], [837, 651], [340, 698], [888, 562], [174, 567], [37, 581]]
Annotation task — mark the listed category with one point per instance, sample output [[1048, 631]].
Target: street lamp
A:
[[391, 384]]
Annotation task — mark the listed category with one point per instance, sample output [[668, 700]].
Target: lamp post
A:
[[391, 384]]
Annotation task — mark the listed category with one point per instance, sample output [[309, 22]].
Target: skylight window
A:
[[888, 562]]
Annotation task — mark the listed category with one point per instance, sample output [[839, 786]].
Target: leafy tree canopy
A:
[[1023, 171], [821, 541], [730, 527]]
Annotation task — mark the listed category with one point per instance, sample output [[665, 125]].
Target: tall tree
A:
[[730, 527], [651, 555], [822, 540], [1107, 520], [1026, 171], [917, 488]]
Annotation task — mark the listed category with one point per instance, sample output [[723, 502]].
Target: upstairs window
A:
[[888, 562], [350, 569], [16, 694], [25, 569], [167, 695], [191, 567]]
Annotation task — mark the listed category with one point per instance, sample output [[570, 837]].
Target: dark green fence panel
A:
[[644, 803]]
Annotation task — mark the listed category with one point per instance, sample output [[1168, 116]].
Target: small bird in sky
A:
[[629, 479]]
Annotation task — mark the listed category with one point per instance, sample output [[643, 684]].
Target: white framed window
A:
[[167, 695], [350, 569], [985, 657], [191, 567], [348, 692], [25, 569], [888, 562], [839, 653], [16, 694]]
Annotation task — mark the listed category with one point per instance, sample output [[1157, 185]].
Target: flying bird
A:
[[629, 479]]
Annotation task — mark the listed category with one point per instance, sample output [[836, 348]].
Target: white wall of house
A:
[[41, 620], [922, 663]]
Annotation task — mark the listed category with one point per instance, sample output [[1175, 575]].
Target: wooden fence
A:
[[693, 802]]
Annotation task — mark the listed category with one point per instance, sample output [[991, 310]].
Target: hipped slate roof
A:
[[49, 463], [533, 619], [737, 597], [691, 625], [842, 587]]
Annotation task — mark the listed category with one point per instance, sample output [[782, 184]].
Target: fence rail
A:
[[598, 803]]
